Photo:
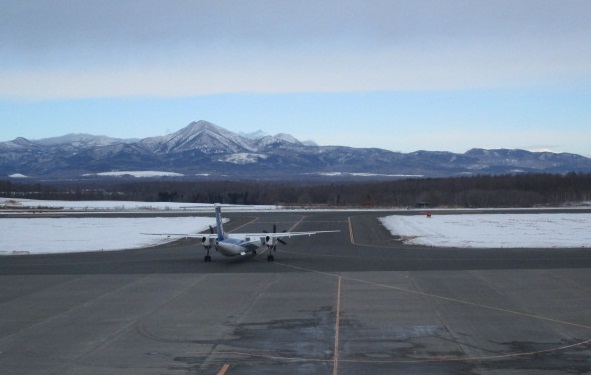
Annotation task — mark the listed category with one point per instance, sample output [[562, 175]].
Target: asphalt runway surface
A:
[[352, 302]]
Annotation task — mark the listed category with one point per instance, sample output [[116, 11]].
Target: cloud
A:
[[184, 48]]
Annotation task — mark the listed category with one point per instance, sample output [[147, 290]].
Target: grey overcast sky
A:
[[401, 75]]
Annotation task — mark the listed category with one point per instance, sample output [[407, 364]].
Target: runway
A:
[[352, 302]]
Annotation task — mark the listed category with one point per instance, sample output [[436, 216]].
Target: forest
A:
[[523, 190]]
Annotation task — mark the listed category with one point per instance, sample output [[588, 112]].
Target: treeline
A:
[[525, 190]]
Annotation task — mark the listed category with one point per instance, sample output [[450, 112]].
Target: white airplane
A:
[[241, 244]]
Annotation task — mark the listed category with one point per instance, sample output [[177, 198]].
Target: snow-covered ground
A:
[[52, 235], [545, 230], [19, 204], [64, 235], [9, 203], [40, 235], [350, 174], [138, 174]]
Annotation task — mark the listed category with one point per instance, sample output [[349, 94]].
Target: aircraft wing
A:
[[243, 235], [282, 234], [190, 235]]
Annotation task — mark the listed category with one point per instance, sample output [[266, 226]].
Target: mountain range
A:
[[205, 149]]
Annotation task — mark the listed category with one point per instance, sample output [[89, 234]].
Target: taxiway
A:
[[352, 302]]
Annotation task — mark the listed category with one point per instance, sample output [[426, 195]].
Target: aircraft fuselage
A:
[[233, 246]]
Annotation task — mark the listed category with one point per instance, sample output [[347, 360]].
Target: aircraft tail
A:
[[219, 223]]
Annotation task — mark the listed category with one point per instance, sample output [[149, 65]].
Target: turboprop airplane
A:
[[241, 244]]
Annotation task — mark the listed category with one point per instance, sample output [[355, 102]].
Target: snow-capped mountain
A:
[[82, 140], [254, 135], [199, 136], [205, 148], [19, 143]]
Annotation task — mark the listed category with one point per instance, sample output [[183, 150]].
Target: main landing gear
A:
[[270, 257], [272, 243], [207, 257]]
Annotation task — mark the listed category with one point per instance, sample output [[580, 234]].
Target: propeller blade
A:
[[271, 241]]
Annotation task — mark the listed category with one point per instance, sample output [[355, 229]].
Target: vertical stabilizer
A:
[[218, 221]]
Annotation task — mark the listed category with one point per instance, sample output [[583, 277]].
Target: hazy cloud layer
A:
[[73, 49]]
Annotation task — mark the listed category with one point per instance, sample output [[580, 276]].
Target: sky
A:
[[440, 75]]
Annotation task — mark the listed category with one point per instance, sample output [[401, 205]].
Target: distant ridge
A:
[[205, 149]]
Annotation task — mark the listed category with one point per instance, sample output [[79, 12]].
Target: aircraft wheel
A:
[[207, 259], [270, 258]]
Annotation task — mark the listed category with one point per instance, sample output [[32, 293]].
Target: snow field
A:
[[56, 235], [553, 230], [19, 203], [63, 235], [16, 203]]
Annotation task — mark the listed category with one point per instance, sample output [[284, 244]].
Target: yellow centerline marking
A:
[[351, 231], [337, 324], [296, 224], [243, 225], [223, 369], [352, 237]]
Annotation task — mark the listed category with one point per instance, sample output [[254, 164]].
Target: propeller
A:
[[208, 243], [273, 239], [205, 238]]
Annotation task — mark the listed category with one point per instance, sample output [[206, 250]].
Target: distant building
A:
[[423, 205]]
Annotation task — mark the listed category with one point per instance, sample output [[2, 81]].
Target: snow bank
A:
[[100, 205], [137, 174], [50, 235], [19, 203], [494, 230]]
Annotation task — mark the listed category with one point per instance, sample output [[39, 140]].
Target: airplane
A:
[[241, 244]]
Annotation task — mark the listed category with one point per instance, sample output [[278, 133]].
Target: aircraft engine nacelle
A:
[[270, 241], [207, 242]]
